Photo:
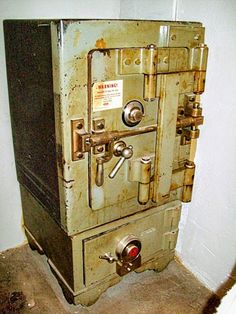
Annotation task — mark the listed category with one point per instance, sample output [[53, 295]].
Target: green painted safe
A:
[[105, 117]]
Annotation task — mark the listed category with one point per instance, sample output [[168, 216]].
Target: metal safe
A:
[[105, 118]]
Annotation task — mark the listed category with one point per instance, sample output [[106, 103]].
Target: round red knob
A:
[[132, 251]]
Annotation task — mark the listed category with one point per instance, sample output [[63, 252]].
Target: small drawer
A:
[[151, 230]]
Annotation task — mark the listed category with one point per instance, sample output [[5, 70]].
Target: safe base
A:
[[75, 261]]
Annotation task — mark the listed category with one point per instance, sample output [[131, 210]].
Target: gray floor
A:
[[28, 286]]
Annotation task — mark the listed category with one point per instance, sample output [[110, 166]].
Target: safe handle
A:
[[125, 153], [108, 257]]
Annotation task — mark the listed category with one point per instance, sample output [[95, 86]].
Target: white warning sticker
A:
[[107, 95]]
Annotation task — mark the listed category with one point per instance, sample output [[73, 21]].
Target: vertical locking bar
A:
[[149, 89], [199, 82], [150, 72], [198, 62], [166, 132], [188, 181], [144, 183]]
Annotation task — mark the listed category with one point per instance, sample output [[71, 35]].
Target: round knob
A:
[[127, 152], [128, 248], [131, 251], [135, 115]]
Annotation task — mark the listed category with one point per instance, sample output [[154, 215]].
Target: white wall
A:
[[11, 233], [147, 9], [207, 241]]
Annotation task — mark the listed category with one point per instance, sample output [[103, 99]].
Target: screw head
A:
[[151, 46], [100, 125], [189, 164], [145, 159], [127, 61], [100, 149], [79, 126], [79, 155], [165, 60], [135, 115]]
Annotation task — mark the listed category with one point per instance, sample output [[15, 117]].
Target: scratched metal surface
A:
[[30, 84]]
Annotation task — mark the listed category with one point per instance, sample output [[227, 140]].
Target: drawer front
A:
[[156, 232]]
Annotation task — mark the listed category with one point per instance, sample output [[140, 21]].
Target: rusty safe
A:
[[105, 117]]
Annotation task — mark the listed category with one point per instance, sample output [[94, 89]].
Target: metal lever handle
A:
[[100, 173], [126, 153], [108, 257]]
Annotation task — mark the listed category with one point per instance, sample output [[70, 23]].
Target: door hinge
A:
[[188, 181]]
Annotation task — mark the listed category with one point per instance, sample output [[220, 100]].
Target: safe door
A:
[[133, 110], [132, 121]]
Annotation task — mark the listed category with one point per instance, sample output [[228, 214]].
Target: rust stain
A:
[[80, 195], [107, 53], [100, 43], [174, 186], [162, 93]]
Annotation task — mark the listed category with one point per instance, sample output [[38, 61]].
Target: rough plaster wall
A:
[[207, 240], [11, 233]]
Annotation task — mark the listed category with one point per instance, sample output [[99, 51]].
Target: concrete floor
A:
[[28, 286]]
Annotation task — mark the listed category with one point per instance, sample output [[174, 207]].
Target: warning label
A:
[[107, 95]]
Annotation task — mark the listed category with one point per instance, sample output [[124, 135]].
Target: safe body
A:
[[105, 117]]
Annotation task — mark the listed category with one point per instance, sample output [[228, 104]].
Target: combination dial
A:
[[133, 113]]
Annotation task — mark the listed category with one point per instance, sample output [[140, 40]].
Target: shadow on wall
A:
[[215, 300]]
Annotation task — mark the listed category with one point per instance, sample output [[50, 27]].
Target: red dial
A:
[[132, 250]]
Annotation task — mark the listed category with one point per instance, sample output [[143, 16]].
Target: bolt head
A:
[[146, 160], [165, 60], [100, 125], [136, 115], [127, 152], [100, 149], [151, 46], [79, 155], [79, 126], [127, 61]]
